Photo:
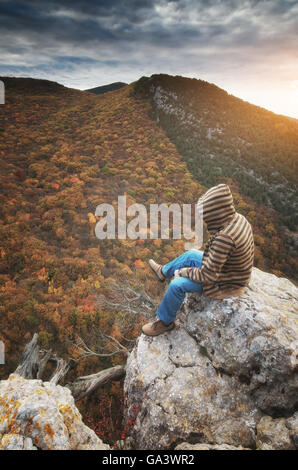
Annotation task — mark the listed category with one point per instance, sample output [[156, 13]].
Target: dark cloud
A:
[[88, 43], [140, 21], [116, 19]]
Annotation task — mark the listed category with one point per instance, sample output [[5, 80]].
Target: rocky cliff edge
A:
[[227, 374]]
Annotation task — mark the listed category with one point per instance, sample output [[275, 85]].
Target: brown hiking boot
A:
[[156, 268], [157, 327]]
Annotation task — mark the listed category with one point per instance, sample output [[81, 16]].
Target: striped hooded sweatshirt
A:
[[228, 256]]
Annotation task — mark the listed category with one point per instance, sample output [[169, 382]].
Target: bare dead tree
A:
[[86, 351], [34, 361], [129, 297], [83, 386], [42, 363], [62, 367], [29, 366]]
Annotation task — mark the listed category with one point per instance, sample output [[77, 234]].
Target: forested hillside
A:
[[220, 135], [63, 152]]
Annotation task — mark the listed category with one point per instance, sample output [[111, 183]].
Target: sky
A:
[[247, 47]]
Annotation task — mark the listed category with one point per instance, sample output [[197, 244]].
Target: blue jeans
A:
[[178, 287]]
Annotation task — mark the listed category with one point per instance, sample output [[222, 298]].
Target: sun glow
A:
[[280, 100]]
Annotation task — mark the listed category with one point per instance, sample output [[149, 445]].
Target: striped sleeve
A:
[[219, 252]]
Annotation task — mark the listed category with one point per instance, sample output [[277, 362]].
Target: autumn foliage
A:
[[62, 153]]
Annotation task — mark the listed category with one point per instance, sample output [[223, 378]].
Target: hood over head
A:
[[218, 207]]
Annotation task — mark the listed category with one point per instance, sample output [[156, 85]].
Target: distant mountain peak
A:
[[106, 88]]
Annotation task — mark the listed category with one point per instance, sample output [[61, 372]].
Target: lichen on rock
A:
[[40, 415], [227, 364], [277, 434]]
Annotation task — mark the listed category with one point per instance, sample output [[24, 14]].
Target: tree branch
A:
[[128, 299], [86, 351], [34, 361], [84, 386], [28, 368]]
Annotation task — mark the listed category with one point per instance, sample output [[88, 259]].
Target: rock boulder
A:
[[227, 364], [40, 415]]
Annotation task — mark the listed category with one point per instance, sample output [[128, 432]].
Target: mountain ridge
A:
[[207, 123], [106, 88]]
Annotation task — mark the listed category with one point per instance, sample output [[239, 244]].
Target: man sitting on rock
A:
[[222, 270]]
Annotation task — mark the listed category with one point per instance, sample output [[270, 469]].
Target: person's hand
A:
[[183, 272]]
